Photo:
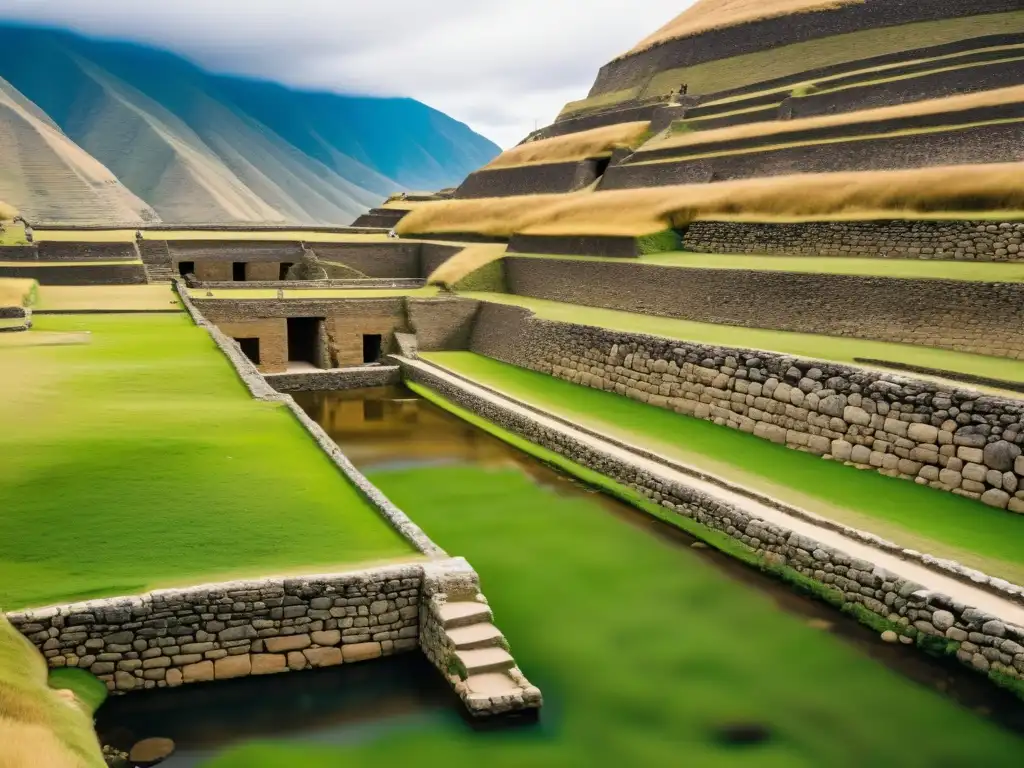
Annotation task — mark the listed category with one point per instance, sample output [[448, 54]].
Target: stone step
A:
[[491, 684], [482, 635], [482, 660], [464, 613]]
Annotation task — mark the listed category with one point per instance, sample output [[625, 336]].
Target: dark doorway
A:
[[371, 347], [238, 271], [251, 349], [602, 166], [283, 274], [186, 268], [303, 339]]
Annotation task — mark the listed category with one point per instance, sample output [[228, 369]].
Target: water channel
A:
[[468, 489]]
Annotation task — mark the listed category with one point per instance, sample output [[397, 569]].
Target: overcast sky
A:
[[497, 65]]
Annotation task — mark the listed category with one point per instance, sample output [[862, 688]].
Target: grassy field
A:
[[139, 460], [643, 651], [18, 292], [739, 71], [767, 129], [597, 142], [637, 212], [834, 348], [922, 518], [313, 293], [916, 269], [94, 297]]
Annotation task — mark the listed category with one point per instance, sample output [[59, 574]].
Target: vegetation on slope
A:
[[925, 519], [635, 212], [644, 652], [964, 102], [464, 263], [18, 292], [597, 142], [788, 60], [706, 15], [139, 460], [7, 212], [39, 726]]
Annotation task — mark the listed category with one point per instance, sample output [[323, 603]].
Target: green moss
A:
[[146, 437], [489, 277], [805, 89], [659, 242]]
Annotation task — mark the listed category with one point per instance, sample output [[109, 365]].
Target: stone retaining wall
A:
[[982, 641], [338, 379], [369, 283], [948, 438], [536, 179], [59, 250], [899, 239], [981, 318], [215, 632], [80, 274], [441, 323]]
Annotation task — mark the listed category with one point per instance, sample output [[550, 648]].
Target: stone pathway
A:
[[854, 544]]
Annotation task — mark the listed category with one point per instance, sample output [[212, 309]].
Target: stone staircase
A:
[[156, 260], [458, 635]]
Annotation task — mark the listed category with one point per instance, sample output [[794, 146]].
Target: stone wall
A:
[[79, 274], [981, 640], [536, 179], [982, 318], [389, 259], [442, 323], [19, 253], [907, 239], [338, 379], [272, 335], [215, 632], [58, 250], [948, 438]]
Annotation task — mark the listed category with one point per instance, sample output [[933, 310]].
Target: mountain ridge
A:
[[199, 146]]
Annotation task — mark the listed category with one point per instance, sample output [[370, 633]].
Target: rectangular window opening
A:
[[371, 347], [251, 349], [238, 271]]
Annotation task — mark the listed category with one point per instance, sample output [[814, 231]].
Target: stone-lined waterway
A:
[[646, 649]]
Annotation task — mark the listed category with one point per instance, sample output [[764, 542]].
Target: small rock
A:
[[743, 733], [906, 640], [819, 624], [151, 751], [698, 545], [890, 637]]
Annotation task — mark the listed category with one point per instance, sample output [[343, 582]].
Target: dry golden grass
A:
[[597, 142], [17, 292], [100, 297], [716, 14], [466, 262], [636, 212], [7, 212], [914, 109]]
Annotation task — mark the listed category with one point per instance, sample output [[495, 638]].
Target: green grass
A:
[[833, 348], [691, 151], [642, 649], [916, 269], [922, 518], [88, 688], [139, 460]]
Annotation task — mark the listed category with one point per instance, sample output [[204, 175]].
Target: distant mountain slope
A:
[[200, 147], [49, 178]]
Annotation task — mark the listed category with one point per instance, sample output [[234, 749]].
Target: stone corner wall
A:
[[170, 637], [442, 323], [899, 239]]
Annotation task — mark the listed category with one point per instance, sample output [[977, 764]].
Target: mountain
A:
[[199, 147]]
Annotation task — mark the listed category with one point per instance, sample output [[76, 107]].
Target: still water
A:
[[387, 430]]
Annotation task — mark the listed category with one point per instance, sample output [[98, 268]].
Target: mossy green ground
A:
[[921, 518], [834, 348], [642, 650], [139, 460], [989, 272]]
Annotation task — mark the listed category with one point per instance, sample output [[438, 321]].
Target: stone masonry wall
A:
[[442, 323], [170, 637], [948, 438], [977, 317], [959, 240], [982, 641]]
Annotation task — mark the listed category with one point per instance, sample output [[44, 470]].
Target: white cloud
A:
[[497, 66]]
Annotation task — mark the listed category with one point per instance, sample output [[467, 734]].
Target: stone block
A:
[[328, 638], [975, 472], [266, 663], [854, 415], [971, 455], [196, 673], [324, 657], [287, 643], [842, 450], [996, 498], [296, 661], [361, 651], [173, 678], [1001, 455], [923, 433], [232, 666]]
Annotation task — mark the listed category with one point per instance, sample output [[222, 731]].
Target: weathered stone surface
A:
[[361, 651], [287, 643], [323, 657], [327, 638], [232, 666], [201, 672], [267, 663], [1001, 455]]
